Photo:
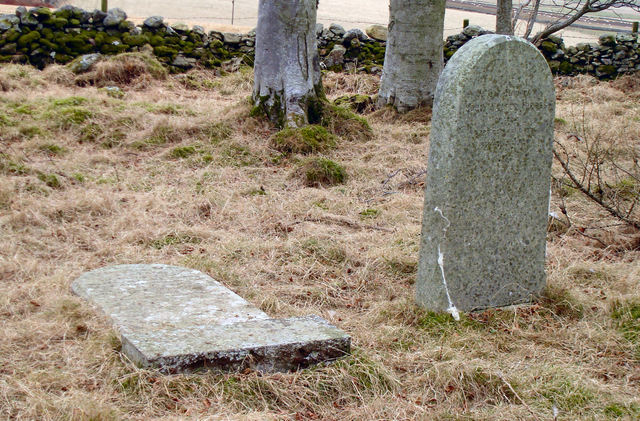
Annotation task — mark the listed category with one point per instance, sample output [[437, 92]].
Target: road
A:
[[593, 22]]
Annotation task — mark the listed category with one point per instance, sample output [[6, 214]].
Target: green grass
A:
[[369, 213], [52, 149], [305, 140], [182, 152], [174, 239], [627, 320], [51, 180], [320, 171]]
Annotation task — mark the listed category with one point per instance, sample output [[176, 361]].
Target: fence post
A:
[[233, 10], [634, 27], [465, 23], [105, 5]]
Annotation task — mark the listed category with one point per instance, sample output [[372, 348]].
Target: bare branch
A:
[[572, 10], [532, 19], [587, 192]]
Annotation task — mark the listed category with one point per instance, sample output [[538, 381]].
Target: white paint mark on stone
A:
[[452, 308]]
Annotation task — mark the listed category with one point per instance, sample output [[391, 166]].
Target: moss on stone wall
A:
[[41, 36]]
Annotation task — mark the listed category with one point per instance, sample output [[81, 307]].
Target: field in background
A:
[[174, 171]]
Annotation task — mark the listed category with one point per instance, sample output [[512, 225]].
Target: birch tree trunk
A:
[[504, 24], [287, 85], [413, 60]]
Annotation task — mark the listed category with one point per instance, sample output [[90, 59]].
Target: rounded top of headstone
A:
[[488, 59]]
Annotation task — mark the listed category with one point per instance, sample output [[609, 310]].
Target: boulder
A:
[[555, 39], [377, 32], [114, 17], [624, 38], [98, 16], [608, 40], [352, 34], [337, 29], [216, 35], [335, 58], [8, 21], [154, 22], [183, 62], [473, 30], [72, 11], [583, 47], [29, 19], [84, 63], [230, 38], [41, 12], [180, 27]]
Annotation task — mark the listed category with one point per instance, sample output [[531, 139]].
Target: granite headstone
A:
[[487, 191]]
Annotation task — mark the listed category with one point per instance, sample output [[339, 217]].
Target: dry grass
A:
[[181, 176]]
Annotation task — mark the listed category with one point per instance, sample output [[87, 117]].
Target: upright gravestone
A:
[[487, 192]]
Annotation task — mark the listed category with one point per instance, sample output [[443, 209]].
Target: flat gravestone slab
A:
[[180, 319], [488, 177]]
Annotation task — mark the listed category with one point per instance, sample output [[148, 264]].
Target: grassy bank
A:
[[174, 171]]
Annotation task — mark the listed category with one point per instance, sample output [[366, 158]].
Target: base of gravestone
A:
[[180, 320]]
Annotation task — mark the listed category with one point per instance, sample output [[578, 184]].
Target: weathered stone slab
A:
[[487, 191], [180, 319]]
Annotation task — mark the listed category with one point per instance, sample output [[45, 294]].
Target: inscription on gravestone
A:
[[487, 190], [178, 319]]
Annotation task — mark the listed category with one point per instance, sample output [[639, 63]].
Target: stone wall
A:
[[615, 54], [41, 36]]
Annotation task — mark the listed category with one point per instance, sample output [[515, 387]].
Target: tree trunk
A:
[[287, 85], [504, 24], [413, 60]]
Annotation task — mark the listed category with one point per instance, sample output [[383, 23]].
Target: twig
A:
[[393, 174], [591, 237], [599, 201], [518, 396], [337, 220], [413, 179]]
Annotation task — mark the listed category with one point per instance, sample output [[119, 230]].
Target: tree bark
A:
[[287, 85], [504, 23], [413, 60]]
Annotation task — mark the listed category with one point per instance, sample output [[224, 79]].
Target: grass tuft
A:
[[304, 140], [182, 152], [51, 180], [123, 69], [320, 171], [627, 320], [346, 124]]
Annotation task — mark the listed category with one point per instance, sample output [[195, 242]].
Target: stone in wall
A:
[[41, 36]]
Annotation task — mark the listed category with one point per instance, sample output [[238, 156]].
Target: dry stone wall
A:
[[41, 36]]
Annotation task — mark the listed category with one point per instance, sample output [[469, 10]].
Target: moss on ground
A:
[[319, 171], [182, 152], [304, 140], [346, 124]]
